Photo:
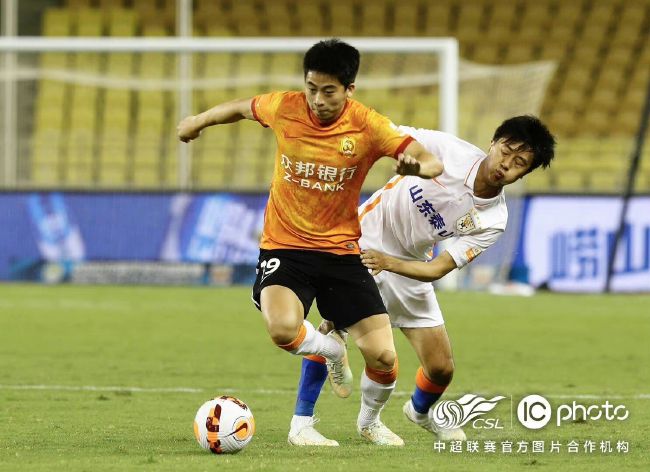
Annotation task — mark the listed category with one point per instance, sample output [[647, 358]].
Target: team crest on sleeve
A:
[[347, 146]]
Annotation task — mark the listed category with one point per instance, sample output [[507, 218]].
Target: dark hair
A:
[[333, 57], [534, 136]]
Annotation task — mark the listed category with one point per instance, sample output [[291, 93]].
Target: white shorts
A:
[[410, 303]]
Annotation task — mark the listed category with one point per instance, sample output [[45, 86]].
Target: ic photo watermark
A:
[[533, 412]]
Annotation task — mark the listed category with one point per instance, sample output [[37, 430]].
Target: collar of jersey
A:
[[469, 183]]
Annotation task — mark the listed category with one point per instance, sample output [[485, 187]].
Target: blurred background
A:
[[95, 187]]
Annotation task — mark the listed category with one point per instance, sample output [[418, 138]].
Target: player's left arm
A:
[[416, 160], [419, 270]]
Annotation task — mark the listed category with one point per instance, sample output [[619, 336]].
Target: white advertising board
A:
[[566, 243]]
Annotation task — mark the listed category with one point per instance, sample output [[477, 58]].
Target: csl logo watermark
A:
[[451, 414], [535, 412]]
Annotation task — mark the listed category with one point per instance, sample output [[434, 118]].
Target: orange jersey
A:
[[319, 171]]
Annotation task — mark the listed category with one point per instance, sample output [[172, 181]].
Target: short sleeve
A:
[[435, 142], [466, 248], [388, 139], [265, 107]]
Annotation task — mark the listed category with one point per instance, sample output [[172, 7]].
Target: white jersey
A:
[[410, 215]]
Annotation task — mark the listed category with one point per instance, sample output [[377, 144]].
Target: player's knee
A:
[[441, 373], [385, 361], [282, 331]]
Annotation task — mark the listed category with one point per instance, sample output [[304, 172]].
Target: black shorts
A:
[[344, 290]]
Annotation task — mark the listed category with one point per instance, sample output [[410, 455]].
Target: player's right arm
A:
[[229, 112], [419, 270]]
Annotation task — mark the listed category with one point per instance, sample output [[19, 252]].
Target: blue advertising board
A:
[[72, 227]]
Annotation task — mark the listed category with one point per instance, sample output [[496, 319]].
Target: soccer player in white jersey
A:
[[400, 223]]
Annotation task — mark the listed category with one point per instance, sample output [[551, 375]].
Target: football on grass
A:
[[224, 425]]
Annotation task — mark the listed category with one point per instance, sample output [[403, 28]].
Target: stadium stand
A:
[[87, 135]]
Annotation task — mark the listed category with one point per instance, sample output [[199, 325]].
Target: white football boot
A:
[[420, 419], [426, 422], [303, 433], [451, 434], [339, 372], [379, 434]]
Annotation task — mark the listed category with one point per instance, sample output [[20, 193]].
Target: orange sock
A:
[[293, 345], [315, 358], [383, 376], [426, 385]]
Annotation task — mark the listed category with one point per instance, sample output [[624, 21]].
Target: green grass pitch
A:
[[109, 378]]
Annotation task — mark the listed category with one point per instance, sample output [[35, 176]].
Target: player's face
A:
[[326, 96], [507, 162]]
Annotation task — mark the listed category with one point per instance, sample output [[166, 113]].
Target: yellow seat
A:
[[539, 181], [170, 173], [569, 181], [285, 63], [49, 117], [57, 22], [342, 19], [596, 121], [519, 52], [560, 32], [642, 182], [74, 4], [150, 101], [46, 147], [437, 17], [45, 174], [83, 115], [310, 19], [112, 175], [51, 93], [120, 64], [568, 13], [114, 146], [54, 60], [89, 22], [601, 13], [554, 50], [122, 21], [487, 53], [609, 182], [246, 17], [80, 144], [147, 147], [79, 174], [146, 176], [209, 177], [220, 29], [406, 21]]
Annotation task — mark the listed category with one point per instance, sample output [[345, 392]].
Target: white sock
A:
[[299, 422], [373, 398], [316, 343]]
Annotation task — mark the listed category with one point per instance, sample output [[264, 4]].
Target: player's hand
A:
[[188, 129], [407, 165], [375, 261]]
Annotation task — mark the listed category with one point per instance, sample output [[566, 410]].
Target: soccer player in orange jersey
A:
[[309, 248]]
